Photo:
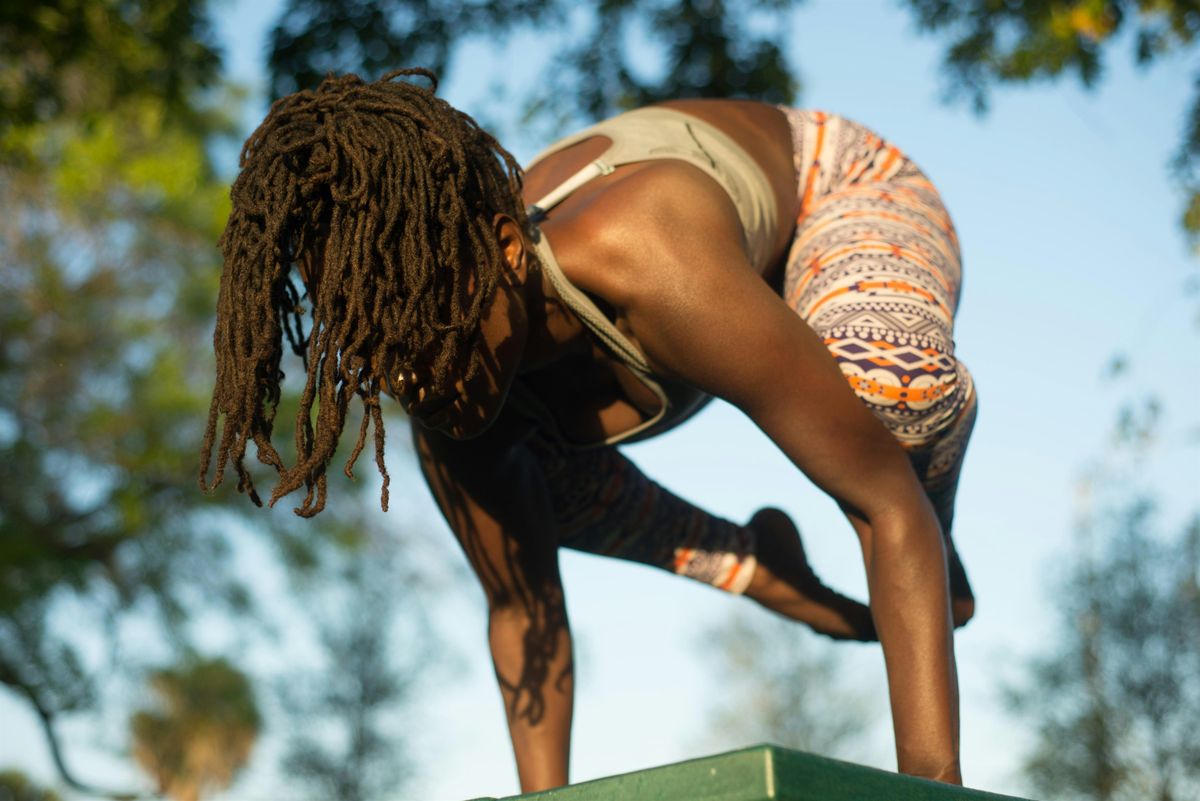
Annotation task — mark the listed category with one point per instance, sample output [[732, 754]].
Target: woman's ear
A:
[[513, 247]]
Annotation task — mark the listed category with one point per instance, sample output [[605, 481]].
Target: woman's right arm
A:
[[704, 316], [492, 494]]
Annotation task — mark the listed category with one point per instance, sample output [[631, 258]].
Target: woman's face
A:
[[475, 404]]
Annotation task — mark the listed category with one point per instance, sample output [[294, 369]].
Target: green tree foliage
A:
[[1036, 40], [315, 37], [1114, 705], [200, 733], [112, 210], [781, 685], [1019, 42], [16, 786], [722, 48], [66, 54]]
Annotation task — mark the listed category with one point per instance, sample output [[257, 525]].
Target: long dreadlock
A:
[[381, 196]]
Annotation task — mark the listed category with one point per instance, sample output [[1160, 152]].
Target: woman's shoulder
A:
[[626, 235]]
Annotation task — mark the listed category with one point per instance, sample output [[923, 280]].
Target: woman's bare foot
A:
[[785, 583]]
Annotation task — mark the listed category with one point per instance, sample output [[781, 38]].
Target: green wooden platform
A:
[[762, 773]]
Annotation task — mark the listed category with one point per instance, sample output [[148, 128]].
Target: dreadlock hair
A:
[[387, 194]]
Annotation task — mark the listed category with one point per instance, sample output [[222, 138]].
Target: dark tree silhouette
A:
[[1114, 702]]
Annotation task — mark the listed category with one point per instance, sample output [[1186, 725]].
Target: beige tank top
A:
[[644, 135]]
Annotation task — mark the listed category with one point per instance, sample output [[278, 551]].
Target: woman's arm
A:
[[702, 315], [492, 494]]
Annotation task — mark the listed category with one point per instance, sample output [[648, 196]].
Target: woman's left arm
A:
[[703, 316]]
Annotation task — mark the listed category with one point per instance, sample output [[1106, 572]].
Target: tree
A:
[[16, 786], [1114, 706], [705, 47], [201, 732], [58, 56], [112, 208], [342, 745], [1039, 40], [1114, 699], [782, 686]]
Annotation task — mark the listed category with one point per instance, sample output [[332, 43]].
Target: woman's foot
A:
[[785, 583], [962, 609], [962, 599]]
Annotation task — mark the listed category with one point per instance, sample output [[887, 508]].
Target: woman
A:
[[789, 262]]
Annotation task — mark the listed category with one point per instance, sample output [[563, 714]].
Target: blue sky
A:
[[1071, 254]]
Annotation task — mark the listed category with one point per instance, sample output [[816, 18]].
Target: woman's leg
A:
[[603, 504], [875, 270]]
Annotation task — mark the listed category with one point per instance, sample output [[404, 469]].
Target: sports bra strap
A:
[[560, 193], [655, 133]]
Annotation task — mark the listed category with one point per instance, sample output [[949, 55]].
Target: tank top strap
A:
[[634, 136]]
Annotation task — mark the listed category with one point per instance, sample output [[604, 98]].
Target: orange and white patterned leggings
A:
[[874, 269]]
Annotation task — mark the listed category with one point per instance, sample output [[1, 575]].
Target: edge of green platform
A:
[[760, 773], [808, 777], [732, 776]]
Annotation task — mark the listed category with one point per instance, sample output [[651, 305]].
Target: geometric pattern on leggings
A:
[[874, 269]]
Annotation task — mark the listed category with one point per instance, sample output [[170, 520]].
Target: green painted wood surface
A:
[[762, 773]]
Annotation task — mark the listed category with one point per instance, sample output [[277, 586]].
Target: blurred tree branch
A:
[[342, 745], [715, 48], [1112, 700], [992, 43]]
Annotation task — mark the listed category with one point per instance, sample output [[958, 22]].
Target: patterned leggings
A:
[[874, 270]]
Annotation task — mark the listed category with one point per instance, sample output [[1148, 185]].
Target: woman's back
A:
[[758, 129]]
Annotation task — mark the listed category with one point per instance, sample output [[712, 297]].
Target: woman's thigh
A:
[[875, 270]]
